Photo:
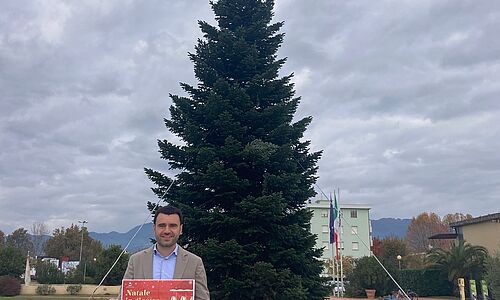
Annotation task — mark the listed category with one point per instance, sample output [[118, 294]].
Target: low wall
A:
[[87, 289]]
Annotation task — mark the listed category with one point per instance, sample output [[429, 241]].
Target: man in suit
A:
[[166, 259]]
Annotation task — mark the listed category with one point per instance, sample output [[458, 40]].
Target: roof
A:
[[481, 219], [443, 236], [326, 204]]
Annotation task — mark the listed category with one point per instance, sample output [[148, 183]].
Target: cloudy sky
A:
[[404, 96]]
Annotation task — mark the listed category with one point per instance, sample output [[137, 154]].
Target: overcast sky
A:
[[404, 96]]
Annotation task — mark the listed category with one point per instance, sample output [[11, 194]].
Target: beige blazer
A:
[[187, 266]]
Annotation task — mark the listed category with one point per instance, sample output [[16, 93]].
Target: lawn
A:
[[53, 297]]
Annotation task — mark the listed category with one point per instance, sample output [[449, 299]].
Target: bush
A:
[[12, 262], [74, 289], [426, 282], [493, 274], [9, 286], [105, 260], [45, 289], [47, 273], [74, 277], [368, 274], [90, 280]]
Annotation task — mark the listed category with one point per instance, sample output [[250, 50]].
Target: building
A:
[[355, 233], [480, 231]]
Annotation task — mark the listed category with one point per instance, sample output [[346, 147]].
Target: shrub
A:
[[90, 280], [74, 277], [12, 262], [493, 274], [368, 274], [47, 273], [106, 259], [45, 289], [74, 289], [9, 286], [426, 282]]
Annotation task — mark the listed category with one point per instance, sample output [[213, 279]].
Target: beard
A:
[[167, 243]]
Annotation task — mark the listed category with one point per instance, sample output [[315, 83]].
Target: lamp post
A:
[[81, 245], [399, 261], [84, 271]]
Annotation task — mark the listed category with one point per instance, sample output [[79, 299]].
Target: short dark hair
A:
[[168, 210]]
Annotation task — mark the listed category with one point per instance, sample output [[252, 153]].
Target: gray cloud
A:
[[403, 95]]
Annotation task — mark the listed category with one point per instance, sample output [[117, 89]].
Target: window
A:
[[355, 246], [324, 228], [324, 214], [354, 229], [325, 245], [342, 245], [354, 213]]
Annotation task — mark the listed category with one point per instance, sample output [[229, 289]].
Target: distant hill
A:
[[381, 228], [141, 241], [384, 227]]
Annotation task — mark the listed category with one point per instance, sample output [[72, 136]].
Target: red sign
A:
[[153, 289]]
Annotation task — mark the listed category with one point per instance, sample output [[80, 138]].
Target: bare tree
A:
[[450, 218], [38, 232], [421, 228]]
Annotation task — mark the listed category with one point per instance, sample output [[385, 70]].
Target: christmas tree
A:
[[245, 173]]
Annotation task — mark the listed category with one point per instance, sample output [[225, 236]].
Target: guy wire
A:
[[145, 221], [317, 186], [359, 238], [131, 239]]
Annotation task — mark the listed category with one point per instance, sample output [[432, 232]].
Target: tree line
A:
[[63, 243], [245, 170], [431, 267]]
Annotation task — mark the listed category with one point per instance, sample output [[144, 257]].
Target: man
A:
[[166, 259]]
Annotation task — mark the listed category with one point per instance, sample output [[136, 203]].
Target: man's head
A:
[[167, 226], [168, 210]]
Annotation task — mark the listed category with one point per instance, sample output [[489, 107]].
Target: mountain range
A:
[[385, 227], [381, 228], [142, 239]]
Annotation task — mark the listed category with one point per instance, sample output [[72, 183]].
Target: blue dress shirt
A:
[[163, 267]]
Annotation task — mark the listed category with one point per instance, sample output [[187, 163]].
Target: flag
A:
[[336, 209], [333, 216], [335, 234]]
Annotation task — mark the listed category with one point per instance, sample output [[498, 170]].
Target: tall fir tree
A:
[[245, 175]]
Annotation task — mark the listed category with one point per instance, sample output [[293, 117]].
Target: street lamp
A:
[[84, 271], [81, 248], [399, 261]]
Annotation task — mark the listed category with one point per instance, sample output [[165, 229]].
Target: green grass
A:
[[55, 297]]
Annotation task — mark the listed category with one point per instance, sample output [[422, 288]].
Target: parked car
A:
[[338, 286]]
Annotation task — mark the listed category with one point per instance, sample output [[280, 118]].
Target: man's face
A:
[[167, 229]]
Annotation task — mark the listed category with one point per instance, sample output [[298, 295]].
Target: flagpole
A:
[[332, 242], [337, 215], [334, 272], [341, 250], [337, 279]]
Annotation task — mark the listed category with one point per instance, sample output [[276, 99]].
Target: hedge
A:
[[9, 286], [426, 282]]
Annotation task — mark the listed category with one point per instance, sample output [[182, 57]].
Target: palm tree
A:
[[462, 260]]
